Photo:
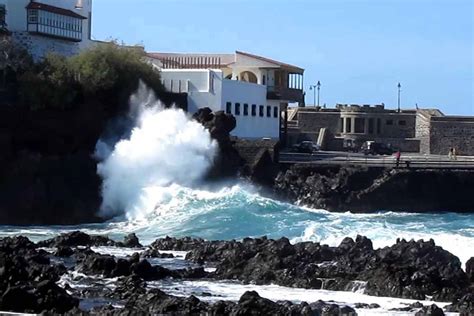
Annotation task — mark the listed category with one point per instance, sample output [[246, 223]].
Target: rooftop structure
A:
[[255, 89], [62, 26]]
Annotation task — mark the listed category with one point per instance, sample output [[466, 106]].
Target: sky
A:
[[358, 49]]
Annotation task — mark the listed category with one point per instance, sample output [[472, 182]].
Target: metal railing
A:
[[409, 162]]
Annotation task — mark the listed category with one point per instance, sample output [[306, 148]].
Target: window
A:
[[389, 122], [260, 111], [402, 122], [228, 108], [275, 111], [379, 126], [32, 16], [341, 125], [359, 125], [269, 111], [237, 109], [53, 21], [246, 109], [264, 80], [371, 125], [254, 110]]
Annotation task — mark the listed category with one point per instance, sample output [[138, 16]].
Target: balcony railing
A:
[[284, 93]]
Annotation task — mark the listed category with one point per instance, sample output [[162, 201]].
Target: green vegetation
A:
[[108, 73], [14, 61]]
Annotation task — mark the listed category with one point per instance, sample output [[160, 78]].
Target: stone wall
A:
[[312, 122], [396, 129], [39, 46], [423, 125], [447, 132]]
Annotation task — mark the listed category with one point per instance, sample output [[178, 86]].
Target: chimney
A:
[[79, 5]]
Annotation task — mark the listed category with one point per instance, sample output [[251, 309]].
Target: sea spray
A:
[[164, 148]]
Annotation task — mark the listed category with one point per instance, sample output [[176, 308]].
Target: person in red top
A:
[[397, 157]]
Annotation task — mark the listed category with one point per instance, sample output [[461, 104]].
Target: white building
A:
[[255, 89], [42, 26]]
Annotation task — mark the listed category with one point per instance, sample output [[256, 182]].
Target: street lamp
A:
[[399, 87], [314, 87]]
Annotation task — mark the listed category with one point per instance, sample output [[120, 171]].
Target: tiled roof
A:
[[53, 9], [272, 61]]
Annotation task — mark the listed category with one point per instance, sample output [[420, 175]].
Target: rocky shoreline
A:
[[366, 190], [31, 275]]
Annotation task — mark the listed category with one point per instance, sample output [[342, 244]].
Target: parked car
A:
[[305, 147], [374, 148], [349, 144]]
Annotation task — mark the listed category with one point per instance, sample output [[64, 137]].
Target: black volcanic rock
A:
[[360, 189], [77, 238], [410, 269], [431, 310], [28, 279], [470, 269], [131, 241], [463, 305], [228, 161]]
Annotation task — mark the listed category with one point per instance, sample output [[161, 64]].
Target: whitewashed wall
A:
[[248, 93], [204, 87], [207, 88]]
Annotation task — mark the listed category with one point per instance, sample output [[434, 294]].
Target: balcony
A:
[[284, 93]]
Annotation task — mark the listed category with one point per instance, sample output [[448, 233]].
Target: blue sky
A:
[[358, 49]]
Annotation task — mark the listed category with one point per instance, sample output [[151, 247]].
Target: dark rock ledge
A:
[[413, 269]]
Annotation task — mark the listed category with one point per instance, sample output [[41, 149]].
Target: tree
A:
[[13, 59]]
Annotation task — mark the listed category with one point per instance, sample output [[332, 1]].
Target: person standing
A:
[[454, 153], [450, 153], [397, 157]]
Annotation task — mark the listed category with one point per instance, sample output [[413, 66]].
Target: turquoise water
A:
[[237, 211]]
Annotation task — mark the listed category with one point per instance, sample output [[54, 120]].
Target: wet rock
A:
[[464, 305], [97, 264], [129, 286], [412, 269], [250, 302], [360, 189], [431, 310], [367, 306], [63, 252], [155, 253], [470, 269], [46, 295], [131, 241], [77, 238]]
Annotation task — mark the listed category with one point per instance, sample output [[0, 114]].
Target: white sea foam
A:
[[225, 290], [165, 149]]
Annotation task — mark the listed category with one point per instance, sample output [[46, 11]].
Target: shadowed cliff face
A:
[[377, 189], [48, 174]]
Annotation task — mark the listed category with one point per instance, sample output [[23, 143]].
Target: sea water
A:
[[152, 186]]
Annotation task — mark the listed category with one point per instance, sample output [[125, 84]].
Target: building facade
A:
[[255, 89], [427, 131], [354, 123], [60, 26]]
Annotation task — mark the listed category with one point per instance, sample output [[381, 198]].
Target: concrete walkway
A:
[[408, 160]]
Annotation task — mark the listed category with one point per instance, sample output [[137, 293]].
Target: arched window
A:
[[248, 76]]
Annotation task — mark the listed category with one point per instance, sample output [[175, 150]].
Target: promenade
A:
[[408, 160]]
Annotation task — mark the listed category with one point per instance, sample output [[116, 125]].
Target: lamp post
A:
[[314, 87], [399, 87]]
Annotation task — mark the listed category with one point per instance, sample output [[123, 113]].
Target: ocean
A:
[[153, 186]]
